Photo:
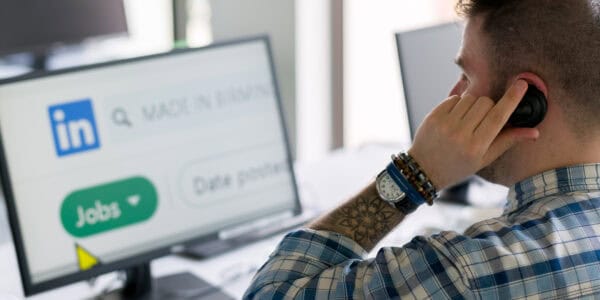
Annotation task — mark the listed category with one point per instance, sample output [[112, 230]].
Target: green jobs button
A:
[[109, 206]]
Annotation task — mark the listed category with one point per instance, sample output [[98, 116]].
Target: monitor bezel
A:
[[31, 288]]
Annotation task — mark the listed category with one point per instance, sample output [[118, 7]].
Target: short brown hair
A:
[[557, 39]]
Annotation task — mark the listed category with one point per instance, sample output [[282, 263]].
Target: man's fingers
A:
[[508, 139], [477, 112], [446, 106], [463, 106], [499, 115]]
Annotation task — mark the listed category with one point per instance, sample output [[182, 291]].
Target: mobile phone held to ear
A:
[[531, 111]]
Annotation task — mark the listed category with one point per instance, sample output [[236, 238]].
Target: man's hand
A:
[[458, 138], [463, 135]]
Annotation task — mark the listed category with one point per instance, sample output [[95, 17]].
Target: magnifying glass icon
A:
[[119, 117]]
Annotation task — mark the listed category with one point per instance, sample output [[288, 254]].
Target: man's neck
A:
[[549, 154]]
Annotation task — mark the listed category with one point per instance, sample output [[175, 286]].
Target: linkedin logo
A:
[[73, 127]]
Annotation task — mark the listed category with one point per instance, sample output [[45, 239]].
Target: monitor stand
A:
[[39, 62], [140, 285]]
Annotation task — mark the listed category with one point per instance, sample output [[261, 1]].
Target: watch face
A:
[[388, 189]]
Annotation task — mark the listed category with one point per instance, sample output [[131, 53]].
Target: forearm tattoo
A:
[[365, 218]]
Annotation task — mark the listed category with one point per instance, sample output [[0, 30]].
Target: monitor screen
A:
[[427, 67], [36, 25], [108, 165]]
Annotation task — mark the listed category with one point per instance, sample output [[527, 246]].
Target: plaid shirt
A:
[[545, 245]]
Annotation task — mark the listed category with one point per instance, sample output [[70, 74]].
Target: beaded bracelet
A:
[[416, 176]]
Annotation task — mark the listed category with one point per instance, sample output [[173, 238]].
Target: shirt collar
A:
[[584, 177]]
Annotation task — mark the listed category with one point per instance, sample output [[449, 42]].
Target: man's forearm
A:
[[364, 218]]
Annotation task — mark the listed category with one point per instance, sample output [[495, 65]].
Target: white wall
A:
[[374, 108], [235, 18], [150, 25], [314, 81]]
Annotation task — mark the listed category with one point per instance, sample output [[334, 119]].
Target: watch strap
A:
[[411, 193], [406, 206]]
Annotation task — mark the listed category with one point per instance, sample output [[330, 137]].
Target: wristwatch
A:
[[390, 192], [387, 188]]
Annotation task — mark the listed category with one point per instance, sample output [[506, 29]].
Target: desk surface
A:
[[319, 190]]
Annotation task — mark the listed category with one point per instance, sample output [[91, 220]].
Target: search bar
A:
[[176, 109]]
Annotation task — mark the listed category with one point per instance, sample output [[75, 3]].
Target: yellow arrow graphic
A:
[[85, 258]]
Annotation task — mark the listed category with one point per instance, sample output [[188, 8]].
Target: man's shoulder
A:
[[554, 239], [550, 211]]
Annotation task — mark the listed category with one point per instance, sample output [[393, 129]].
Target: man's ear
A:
[[534, 106], [535, 80]]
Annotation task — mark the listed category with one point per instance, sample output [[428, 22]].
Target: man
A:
[[546, 244]]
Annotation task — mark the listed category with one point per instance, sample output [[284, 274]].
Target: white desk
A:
[[323, 185]]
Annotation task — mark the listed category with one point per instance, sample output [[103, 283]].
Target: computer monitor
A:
[[427, 66], [107, 167], [37, 25]]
